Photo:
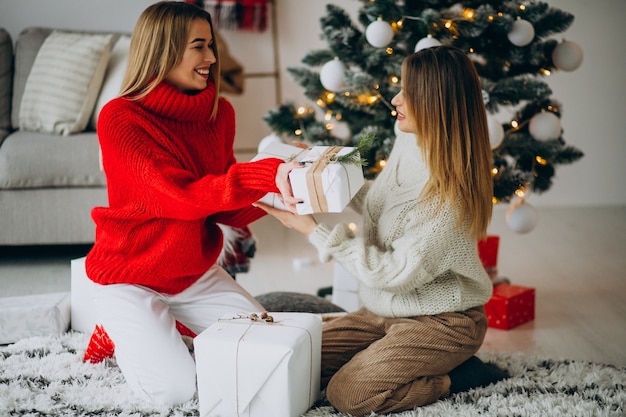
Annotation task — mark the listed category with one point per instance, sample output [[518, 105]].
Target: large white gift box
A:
[[33, 315], [323, 184], [345, 289], [254, 368], [82, 310]]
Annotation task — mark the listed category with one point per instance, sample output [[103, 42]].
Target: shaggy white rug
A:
[[45, 376]]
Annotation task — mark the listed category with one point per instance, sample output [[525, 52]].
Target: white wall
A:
[[593, 97]]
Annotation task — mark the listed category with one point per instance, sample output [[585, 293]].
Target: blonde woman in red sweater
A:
[[167, 150]]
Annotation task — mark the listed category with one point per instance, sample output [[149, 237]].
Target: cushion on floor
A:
[[283, 301]]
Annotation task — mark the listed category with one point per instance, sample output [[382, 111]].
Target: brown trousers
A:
[[372, 363]]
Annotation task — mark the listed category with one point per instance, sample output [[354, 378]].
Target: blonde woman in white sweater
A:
[[423, 286]]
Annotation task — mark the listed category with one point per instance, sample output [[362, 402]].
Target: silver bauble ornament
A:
[[521, 33], [545, 126], [379, 33], [332, 75], [567, 56], [521, 217], [426, 42], [496, 132]]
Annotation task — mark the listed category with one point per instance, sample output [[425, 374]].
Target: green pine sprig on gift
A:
[[354, 157]]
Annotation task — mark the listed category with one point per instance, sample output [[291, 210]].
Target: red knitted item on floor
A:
[[184, 331], [101, 346]]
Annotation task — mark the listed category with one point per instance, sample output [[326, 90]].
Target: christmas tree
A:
[[513, 46]]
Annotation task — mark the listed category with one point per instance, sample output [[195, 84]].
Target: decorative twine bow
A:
[[263, 317], [314, 179]]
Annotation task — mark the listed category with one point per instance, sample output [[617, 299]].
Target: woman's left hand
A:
[[303, 223]]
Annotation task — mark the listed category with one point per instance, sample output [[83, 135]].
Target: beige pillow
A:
[[113, 77], [63, 85]]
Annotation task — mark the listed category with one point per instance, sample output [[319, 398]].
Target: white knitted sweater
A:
[[412, 259]]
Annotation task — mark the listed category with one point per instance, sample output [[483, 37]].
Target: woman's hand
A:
[[284, 186], [304, 223]]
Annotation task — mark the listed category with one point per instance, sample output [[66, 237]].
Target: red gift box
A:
[[488, 253], [510, 306]]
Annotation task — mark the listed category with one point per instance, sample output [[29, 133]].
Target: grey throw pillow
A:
[[294, 302]]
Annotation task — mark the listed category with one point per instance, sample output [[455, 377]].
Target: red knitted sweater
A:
[[171, 176]]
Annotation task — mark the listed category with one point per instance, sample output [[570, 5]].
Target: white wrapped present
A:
[[33, 315], [323, 184], [254, 368], [345, 289]]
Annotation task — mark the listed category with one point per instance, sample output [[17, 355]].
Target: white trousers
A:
[[142, 323]]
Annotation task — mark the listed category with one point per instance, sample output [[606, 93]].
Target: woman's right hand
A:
[[284, 185]]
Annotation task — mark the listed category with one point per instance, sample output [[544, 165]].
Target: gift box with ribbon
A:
[[324, 185], [249, 366], [488, 253], [510, 306]]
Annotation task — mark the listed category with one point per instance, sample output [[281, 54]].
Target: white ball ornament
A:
[[521, 33], [521, 217], [267, 140], [379, 33], [496, 132], [567, 56], [332, 75], [545, 126], [426, 42]]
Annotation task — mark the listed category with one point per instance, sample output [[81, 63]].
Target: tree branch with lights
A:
[[514, 48]]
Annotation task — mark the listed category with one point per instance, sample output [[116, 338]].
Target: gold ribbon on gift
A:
[[314, 179]]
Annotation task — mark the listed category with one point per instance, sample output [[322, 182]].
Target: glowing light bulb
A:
[[540, 160], [353, 227], [514, 124]]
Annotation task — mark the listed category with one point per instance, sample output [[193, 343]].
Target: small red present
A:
[[510, 306], [488, 253]]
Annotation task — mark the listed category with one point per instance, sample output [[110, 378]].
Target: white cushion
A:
[[33, 315], [64, 83], [113, 77]]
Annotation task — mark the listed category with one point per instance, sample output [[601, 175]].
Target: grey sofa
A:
[[48, 182]]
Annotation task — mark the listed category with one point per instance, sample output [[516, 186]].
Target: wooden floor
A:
[[575, 259]]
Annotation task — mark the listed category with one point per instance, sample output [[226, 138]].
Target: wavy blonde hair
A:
[[157, 45], [444, 98]]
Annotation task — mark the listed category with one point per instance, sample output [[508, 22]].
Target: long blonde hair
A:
[[157, 45], [444, 97]]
